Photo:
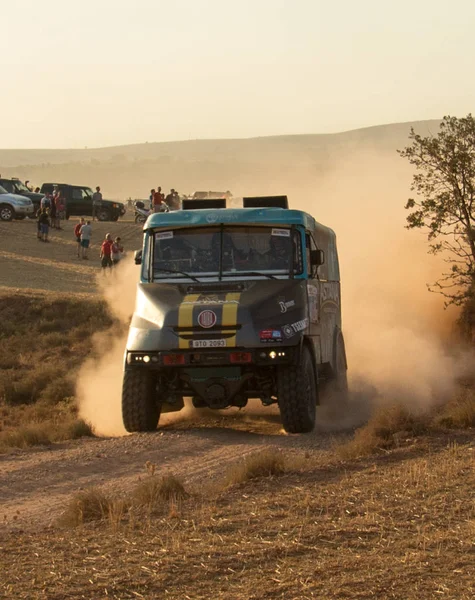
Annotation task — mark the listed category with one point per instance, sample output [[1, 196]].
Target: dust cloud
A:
[[398, 335], [399, 338], [99, 383]]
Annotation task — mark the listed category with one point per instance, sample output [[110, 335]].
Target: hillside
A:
[[234, 164]]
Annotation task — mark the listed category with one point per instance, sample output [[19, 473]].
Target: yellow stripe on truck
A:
[[230, 309], [185, 316]]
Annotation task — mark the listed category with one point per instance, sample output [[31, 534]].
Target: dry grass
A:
[[387, 428], [51, 335], [398, 526], [458, 412], [155, 491], [155, 495], [255, 466], [86, 506]]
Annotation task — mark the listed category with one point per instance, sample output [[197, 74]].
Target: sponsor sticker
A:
[[285, 305], [293, 328], [268, 336], [281, 232], [164, 235], [207, 318]]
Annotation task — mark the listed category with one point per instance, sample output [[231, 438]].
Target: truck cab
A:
[[233, 304]]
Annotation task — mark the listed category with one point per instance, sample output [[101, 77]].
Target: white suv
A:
[[13, 206]]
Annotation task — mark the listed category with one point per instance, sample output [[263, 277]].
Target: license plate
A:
[[208, 343]]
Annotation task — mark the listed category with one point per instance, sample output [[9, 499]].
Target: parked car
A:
[[13, 185], [79, 202], [13, 206]]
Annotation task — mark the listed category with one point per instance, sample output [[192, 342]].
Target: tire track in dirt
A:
[[35, 486]]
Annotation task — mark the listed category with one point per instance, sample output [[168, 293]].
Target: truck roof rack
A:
[[266, 202], [205, 203]]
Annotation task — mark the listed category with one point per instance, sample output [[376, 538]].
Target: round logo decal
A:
[[207, 318]]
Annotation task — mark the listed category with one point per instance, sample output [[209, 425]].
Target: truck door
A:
[[313, 295]]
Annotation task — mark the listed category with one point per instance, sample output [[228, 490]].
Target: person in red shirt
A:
[[77, 234], [158, 198], [106, 252]]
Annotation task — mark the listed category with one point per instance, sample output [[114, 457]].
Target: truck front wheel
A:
[[140, 407], [297, 394]]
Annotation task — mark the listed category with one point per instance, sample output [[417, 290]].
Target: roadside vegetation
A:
[[44, 338]]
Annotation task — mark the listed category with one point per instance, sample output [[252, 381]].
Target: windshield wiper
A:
[[255, 273], [178, 273]]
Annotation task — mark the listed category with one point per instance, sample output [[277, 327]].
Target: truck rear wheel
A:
[[140, 407], [334, 392], [297, 394]]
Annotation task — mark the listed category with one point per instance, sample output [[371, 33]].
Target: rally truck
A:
[[234, 304]]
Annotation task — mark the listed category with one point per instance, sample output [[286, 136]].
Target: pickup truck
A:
[[79, 202]]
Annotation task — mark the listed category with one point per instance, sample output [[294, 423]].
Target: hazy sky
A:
[[105, 72]]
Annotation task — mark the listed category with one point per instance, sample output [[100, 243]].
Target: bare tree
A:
[[445, 186]]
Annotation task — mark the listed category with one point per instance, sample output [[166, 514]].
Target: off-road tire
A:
[[6, 212], [140, 219], [140, 406], [334, 392], [297, 394]]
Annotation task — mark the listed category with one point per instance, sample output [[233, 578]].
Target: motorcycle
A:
[[142, 213]]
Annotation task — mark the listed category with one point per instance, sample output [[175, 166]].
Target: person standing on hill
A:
[[77, 234], [157, 200], [96, 203], [60, 209], [43, 220], [151, 197], [106, 252], [117, 250], [85, 233]]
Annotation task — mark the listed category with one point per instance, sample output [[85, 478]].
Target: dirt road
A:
[[36, 485]]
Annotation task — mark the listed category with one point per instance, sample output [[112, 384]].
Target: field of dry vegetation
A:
[[44, 340], [399, 524]]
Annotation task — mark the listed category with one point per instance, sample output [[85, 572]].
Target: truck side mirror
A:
[[138, 257], [317, 258]]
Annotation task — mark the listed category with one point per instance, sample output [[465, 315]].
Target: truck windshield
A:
[[227, 251]]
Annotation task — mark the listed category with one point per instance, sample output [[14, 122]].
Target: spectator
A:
[[85, 233], [169, 200], [116, 251], [52, 209], [60, 209], [46, 201], [38, 224], [152, 194], [43, 221], [37, 190], [77, 234], [157, 200], [96, 203], [106, 252]]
